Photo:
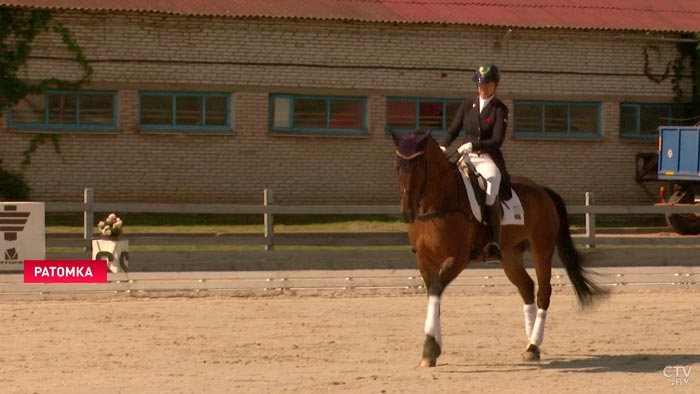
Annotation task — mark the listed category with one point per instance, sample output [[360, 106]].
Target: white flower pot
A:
[[114, 251]]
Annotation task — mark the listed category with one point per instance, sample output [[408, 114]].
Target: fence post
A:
[[88, 218], [268, 199], [590, 220]]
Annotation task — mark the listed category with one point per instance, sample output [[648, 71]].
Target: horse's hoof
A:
[[431, 352], [427, 363], [532, 353]]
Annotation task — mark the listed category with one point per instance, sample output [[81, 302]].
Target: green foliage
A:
[[692, 52], [34, 143], [647, 67], [686, 52], [12, 187], [18, 29]]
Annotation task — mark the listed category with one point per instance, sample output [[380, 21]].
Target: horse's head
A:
[[411, 169]]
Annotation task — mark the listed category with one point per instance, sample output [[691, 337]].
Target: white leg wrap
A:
[[530, 312], [538, 329], [432, 320]]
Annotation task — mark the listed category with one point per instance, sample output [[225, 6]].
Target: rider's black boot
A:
[[492, 251]]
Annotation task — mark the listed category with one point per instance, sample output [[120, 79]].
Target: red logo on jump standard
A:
[[65, 271]]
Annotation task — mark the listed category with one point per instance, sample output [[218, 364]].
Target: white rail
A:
[[269, 209], [333, 282]]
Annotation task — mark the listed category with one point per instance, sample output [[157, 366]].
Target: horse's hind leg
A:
[[515, 271], [542, 257]]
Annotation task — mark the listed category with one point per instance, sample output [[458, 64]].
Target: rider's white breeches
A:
[[487, 168]]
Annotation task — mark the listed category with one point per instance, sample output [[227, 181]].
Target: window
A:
[[184, 111], [58, 109], [318, 114], [643, 120], [409, 114], [556, 119]]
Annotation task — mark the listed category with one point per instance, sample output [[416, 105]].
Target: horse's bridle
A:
[[409, 157], [425, 171]]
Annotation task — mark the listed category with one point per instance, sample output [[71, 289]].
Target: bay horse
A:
[[446, 238]]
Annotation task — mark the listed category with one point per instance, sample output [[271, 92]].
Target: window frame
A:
[[639, 106], [291, 130], [542, 134], [174, 127], [68, 127], [418, 100]]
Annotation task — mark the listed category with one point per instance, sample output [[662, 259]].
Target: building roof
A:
[[643, 15]]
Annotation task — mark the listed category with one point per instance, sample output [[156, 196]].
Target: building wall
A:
[[251, 58]]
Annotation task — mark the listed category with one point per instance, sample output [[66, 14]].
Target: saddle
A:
[[475, 186]]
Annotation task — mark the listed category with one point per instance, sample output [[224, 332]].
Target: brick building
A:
[[213, 102]]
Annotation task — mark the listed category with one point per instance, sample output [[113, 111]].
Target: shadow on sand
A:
[[626, 363], [629, 363]]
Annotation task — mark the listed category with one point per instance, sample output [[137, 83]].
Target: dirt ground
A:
[[368, 344]]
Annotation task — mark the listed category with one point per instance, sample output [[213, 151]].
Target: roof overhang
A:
[[678, 16]]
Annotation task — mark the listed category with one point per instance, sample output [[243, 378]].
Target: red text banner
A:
[[65, 271]]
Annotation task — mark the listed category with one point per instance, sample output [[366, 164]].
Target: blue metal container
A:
[[679, 153]]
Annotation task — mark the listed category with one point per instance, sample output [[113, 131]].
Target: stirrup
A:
[[492, 253]]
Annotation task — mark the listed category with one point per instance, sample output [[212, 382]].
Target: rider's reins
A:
[[438, 213]]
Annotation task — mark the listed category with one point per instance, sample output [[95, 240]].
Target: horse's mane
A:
[[432, 144], [433, 149]]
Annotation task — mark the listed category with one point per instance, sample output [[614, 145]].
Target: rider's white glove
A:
[[442, 148], [465, 148]]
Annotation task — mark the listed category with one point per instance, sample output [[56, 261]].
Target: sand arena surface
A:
[[368, 344]]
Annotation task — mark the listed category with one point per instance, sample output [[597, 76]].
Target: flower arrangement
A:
[[111, 226]]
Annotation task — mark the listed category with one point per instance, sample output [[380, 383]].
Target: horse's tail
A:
[[586, 289]]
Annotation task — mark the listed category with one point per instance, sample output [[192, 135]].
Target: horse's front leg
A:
[[436, 277], [432, 347]]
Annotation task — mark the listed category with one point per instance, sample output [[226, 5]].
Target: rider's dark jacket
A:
[[486, 130]]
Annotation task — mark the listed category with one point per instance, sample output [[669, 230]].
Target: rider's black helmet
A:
[[487, 73]]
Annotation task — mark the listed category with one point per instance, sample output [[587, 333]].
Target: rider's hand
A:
[[465, 148], [442, 148]]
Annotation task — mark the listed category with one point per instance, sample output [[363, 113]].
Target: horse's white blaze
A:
[[530, 312], [538, 330], [432, 320]]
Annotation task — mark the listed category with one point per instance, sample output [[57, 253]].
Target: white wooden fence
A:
[[268, 209]]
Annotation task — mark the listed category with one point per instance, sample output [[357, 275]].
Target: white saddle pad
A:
[[513, 213]]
